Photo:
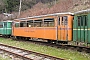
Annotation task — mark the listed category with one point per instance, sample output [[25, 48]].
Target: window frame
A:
[[17, 23], [64, 20], [47, 22], [30, 24], [1, 25], [38, 23]]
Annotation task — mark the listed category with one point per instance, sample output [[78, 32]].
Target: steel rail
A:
[[62, 46], [26, 54]]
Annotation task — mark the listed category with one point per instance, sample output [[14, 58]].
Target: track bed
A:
[[26, 54]]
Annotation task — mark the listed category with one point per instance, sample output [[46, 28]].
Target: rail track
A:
[[84, 49], [25, 54], [63, 46]]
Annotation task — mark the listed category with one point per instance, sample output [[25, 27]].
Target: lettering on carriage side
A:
[[32, 29], [65, 28], [26, 30]]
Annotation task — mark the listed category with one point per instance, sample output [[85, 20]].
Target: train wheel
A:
[[17, 37], [49, 41], [27, 38], [8, 36], [65, 42], [12, 37]]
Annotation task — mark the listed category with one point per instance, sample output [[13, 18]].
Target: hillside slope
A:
[[56, 7]]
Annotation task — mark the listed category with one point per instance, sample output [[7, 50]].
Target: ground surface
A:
[[62, 53], [4, 58]]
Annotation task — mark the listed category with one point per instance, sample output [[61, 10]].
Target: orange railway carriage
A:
[[55, 27]]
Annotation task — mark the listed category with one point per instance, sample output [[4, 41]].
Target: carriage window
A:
[[9, 25], [23, 24], [64, 20], [5, 24], [80, 21], [30, 23], [49, 22], [59, 21], [16, 24], [38, 23], [1, 25], [85, 20]]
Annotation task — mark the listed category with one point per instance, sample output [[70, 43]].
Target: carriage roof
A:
[[55, 14], [6, 21], [82, 12]]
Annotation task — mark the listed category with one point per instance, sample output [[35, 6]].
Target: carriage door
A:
[[82, 28], [63, 28], [59, 28]]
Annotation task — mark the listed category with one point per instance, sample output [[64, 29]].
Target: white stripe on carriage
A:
[[81, 29], [5, 28]]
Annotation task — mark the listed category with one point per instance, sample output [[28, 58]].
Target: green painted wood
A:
[[74, 27], [88, 36], [81, 32], [6, 29], [1, 28]]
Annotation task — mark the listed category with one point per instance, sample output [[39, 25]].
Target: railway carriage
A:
[[51, 27], [81, 26], [6, 28], [57, 28]]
